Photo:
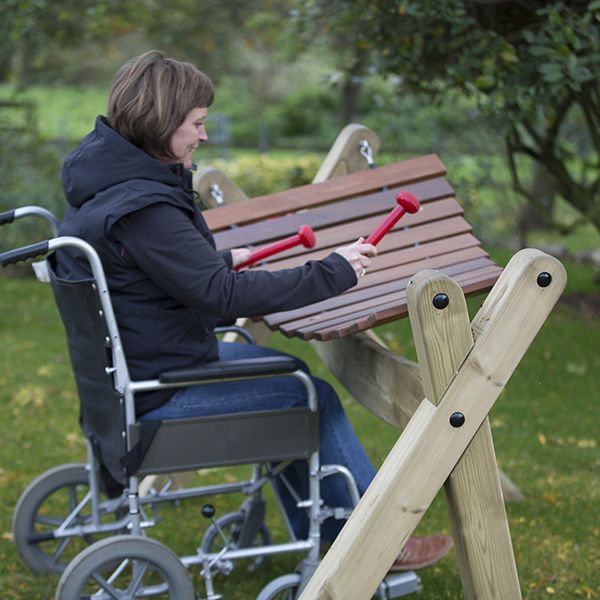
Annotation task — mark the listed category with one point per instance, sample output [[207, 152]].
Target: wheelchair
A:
[[104, 507]]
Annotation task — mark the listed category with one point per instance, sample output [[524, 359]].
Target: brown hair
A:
[[150, 97]]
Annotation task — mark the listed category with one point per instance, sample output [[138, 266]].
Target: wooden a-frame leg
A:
[[436, 437], [443, 339]]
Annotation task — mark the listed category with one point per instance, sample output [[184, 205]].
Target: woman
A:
[[128, 186]]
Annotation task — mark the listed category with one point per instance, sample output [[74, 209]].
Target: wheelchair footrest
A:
[[397, 585]]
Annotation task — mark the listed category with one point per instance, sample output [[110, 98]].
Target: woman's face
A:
[[189, 135]]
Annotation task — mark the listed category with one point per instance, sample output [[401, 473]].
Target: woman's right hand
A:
[[358, 255]]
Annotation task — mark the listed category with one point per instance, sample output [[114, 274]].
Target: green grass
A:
[[545, 427]]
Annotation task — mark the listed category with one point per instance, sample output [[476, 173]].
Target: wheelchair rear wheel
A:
[[125, 567], [42, 508]]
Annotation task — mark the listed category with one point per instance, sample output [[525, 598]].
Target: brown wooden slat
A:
[[404, 234], [329, 214], [402, 238], [360, 290], [464, 277], [314, 194], [315, 323], [394, 312], [406, 257]]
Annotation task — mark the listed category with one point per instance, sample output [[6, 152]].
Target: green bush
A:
[[263, 173], [30, 174]]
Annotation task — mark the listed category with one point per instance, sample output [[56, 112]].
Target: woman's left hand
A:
[[239, 255]]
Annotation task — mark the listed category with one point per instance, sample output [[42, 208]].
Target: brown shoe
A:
[[421, 552]]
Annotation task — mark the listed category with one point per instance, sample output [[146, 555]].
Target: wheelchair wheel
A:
[[41, 509], [283, 588], [231, 526], [125, 567]]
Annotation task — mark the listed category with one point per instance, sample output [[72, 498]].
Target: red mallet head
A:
[[307, 236], [408, 202]]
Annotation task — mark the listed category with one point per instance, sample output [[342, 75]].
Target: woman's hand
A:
[[239, 255], [358, 255]]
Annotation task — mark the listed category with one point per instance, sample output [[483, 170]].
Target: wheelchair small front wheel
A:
[[125, 567], [285, 587], [230, 526], [44, 505]]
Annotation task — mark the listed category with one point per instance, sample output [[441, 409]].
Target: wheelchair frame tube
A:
[[37, 211]]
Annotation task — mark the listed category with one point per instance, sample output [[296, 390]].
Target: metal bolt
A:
[[441, 301], [544, 279], [457, 419]]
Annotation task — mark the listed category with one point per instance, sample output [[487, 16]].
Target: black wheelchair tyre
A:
[[42, 507], [136, 567]]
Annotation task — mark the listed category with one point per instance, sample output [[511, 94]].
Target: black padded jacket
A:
[[168, 284]]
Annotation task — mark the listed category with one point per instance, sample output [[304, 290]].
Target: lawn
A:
[[545, 427]]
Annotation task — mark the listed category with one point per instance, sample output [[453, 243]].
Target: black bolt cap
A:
[[544, 279], [208, 511], [441, 301], [457, 419]]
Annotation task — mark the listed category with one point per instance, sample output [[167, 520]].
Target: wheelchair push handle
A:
[[11, 257], [304, 237], [13, 214], [407, 203], [8, 216]]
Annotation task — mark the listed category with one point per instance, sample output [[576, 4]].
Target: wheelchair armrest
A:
[[230, 369], [241, 332]]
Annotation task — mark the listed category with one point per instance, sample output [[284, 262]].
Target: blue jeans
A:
[[338, 442]]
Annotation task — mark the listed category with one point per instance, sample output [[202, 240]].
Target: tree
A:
[[32, 31], [534, 68]]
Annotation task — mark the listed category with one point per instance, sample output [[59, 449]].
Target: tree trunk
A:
[[537, 214]]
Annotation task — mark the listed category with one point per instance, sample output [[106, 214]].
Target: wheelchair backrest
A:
[[101, 406]]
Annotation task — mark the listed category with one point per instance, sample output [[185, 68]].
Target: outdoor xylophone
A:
[[340, 211]]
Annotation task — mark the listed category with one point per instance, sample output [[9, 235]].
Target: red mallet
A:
[[407, 203], [304, 237]]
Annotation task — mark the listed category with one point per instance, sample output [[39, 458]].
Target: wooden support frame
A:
[[430, 447]]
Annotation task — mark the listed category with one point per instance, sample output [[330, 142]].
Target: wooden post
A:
[[430, 446], [344, 157], [385, 383], [443, 339]]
